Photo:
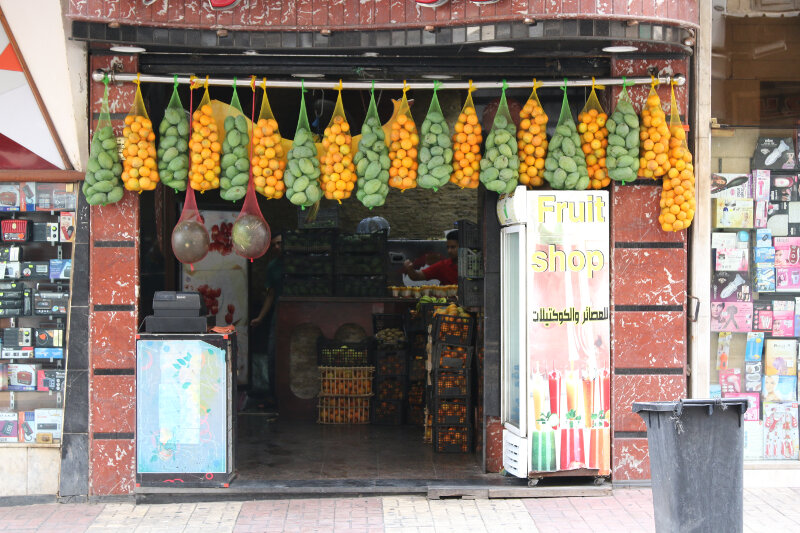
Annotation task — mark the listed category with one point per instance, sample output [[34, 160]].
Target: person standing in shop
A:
[[446, 270], [268, 315]]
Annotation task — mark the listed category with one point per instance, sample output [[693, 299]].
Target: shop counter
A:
[[300, 321]]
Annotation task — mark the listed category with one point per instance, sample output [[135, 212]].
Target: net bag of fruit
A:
[[173, 143], [372, 159], [532, 140], [102, 185], [403, 143], [622, 153], [235, 162], [594, 139], [338, 170], [269, 154], [251, 234], [204, 144], [500, 167], [654, 134], [139, 168], [436, 147], [565, 165], [302, 167], [190, 238], [467, 146], [677, 194]]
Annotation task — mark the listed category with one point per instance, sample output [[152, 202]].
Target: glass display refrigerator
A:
[[555, 335]]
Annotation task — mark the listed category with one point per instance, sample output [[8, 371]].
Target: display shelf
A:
[[30, 400], [29, 445]]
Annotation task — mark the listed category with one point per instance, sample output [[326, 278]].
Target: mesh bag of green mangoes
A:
[[500, 165], [372, 159], [436, 147], [235, 161], [173, 144], [302, 169], [102, 184], [565, 166]]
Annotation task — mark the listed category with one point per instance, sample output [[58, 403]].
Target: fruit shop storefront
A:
[[336, 296]]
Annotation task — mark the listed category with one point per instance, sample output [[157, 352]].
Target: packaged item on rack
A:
[[779, 389], [22, 377], [765, 278], [66, 223], [753, 439], [27, 426], [715, 390], [11, 253], [48, 353], [787, 251], [775, 153], [730, 380], [733, 213], [782, 318], [764, 255], [49, 338], [27, 200], [3, 376], [50, 303], [780, 357], [724, 239], [9, 424], [754, 348], [752, 376], [731, 186], [55, 196], [49, 423], [723, 349], [16, 353], [732, 316], [783, 189], [60, 268], [732, 259], [16, 230], [760, 214], [753, 411], [35, 269], [761, 185], [780, 431], [45, 232], [9, 196], [50, 380], [763, 237]]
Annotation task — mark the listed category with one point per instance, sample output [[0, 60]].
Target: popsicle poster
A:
[[569, 325]]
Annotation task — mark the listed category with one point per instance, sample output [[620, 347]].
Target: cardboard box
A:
[[724, 239], [16, 353], [731, 186], [780, 357], [761, 185], [780, 431], [50, 380], [27, 426], [775, 153], [787, 279], [66, 222], [753, 439], [49, 338], [45, 232], [9, 196], [783, 188], [753, 403], [60, 268], [50, 303], [732, 260], [735, 317], [35, 269], [733, 213], [783, 218], [782, 318], [55, 196], [48, 353], [764, 255], [761, 214], [765, 278], [730, 287], [9, 424], [763, 237], [49, 422], [22, 377]]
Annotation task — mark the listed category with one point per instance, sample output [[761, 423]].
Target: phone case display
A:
[[35, 271]]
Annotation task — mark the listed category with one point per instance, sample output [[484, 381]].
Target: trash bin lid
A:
[[678, 405]]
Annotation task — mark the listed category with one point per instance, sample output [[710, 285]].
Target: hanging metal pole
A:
[[120, 77]]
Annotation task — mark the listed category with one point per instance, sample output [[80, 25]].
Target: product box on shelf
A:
[[49, 338], [10, 253], [787, 279], [775, 153], [48, 353], [735, 317], [780, 357], [754, 348], [17, 337], [50, 303], [764, 255], [783, 218], [733, 213], [49, 424], [60, 268], [753, 439], [731, 186], [753, 403], [765, 278], [9, 197], [45, 232], [22, 377], [9, 269], [35, 269], [9, 424], [732, 259], [762, 316], [27, 196], [3, 376], [725, 239], [783, 188], [730, 287], [760, 214], [10, 304], [730, 380], [55, 196], [783, 318], [752, 376], [761, 184], [66, 223], [779, 389], [780, 431], [714, 390], [763, 237], [16, 353], [27, 426], [50, 380]]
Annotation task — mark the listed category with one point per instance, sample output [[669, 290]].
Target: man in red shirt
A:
[[446, 270]]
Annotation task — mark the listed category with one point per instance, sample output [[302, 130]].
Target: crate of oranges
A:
[[452, 439], [343, 410], [345, 381], [387, 413]]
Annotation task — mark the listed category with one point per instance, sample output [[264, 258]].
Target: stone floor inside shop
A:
[[272, 448]]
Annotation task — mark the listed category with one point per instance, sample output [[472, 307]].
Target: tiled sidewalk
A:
[[626, 511]]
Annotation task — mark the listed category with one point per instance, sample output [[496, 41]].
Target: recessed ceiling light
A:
[[311, 75], [495, 49], [437, 76], [370, 54], [619, 49], [250, 53], [128, 49]]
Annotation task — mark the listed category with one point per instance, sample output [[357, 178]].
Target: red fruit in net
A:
[[190, 241], [251, 236]]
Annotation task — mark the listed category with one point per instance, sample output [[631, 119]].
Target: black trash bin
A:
[[696, 463]]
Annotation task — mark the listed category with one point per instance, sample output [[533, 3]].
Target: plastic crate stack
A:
[[452, 353], [308, 262], [417, 335], [346, 382], [361, 263], [391, 367], [470, 264]]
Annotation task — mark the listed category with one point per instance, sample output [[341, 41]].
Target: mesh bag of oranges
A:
[[594, 139], [101, 185], [205, 146], [372, 159], [677, 192], [139, 169], [467, 146], [268, 162], [338, 170], [654, 136], [302, 164], [532, 140], [622, 157], [173, 144], [436, 148], [403, 143], [235, 162]]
